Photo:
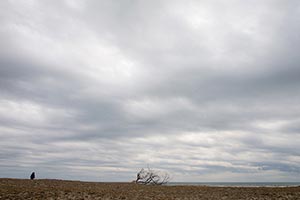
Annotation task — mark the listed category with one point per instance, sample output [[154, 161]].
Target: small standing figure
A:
[[32, 176]]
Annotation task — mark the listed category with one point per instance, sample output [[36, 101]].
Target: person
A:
[[32, 176]]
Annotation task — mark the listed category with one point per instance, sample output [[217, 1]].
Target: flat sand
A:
[[61, 189]]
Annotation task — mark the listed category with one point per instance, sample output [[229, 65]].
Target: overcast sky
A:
[[207, 90]]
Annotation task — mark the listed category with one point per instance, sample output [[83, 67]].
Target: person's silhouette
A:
[[32, 176]]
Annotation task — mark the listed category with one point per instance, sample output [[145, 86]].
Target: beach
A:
[[62, 189]]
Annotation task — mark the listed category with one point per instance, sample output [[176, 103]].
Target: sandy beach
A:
[[61, 189]]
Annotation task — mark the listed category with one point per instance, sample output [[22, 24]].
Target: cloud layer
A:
[[95, 90]]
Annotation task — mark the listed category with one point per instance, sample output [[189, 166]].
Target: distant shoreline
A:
[[207, 184], [237, 184]]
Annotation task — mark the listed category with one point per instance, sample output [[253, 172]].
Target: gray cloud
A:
[[95, 90]]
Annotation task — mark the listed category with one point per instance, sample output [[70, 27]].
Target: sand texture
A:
[[59, 189]]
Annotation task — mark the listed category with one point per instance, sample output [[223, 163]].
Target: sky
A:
[[206, 90]]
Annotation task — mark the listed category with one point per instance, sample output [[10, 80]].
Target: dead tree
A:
[[152, 177]]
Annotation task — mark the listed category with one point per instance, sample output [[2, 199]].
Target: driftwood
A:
[[151, 177]]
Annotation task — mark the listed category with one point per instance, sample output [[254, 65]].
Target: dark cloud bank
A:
[[95, 90]]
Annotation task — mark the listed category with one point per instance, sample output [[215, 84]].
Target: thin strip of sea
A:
[[239, 184]]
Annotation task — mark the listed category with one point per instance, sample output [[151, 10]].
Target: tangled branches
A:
[[152, 177]]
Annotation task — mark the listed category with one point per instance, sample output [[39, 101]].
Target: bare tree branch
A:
[[151, 177]]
